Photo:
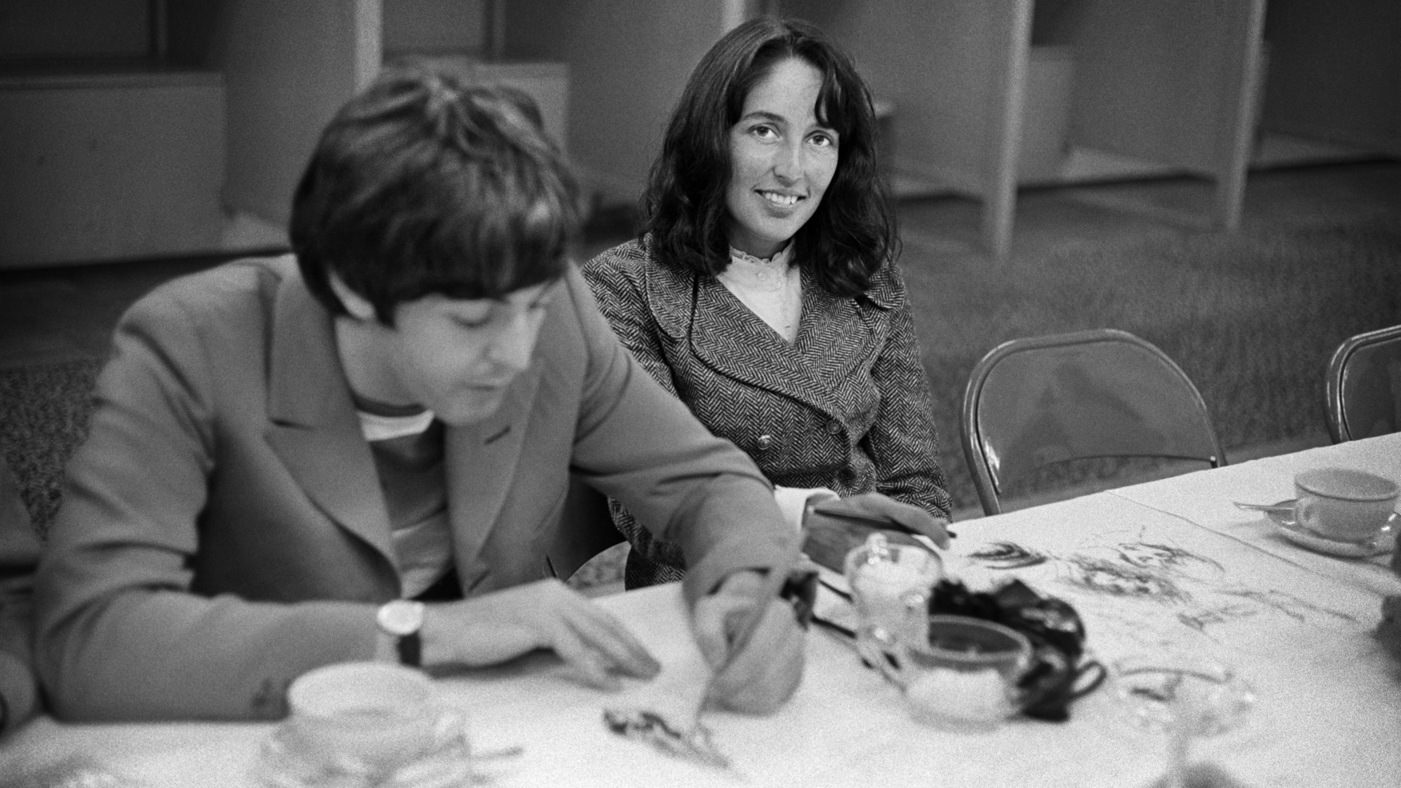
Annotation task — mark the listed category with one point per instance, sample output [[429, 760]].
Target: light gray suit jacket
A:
[[223, 530]]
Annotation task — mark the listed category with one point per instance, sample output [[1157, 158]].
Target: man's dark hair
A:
[[422, 185], [851, 234]]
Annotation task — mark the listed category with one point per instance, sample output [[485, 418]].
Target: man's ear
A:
[[354, 303]]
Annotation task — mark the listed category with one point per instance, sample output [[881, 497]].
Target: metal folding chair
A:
[[1363, 389], [1038, 401]]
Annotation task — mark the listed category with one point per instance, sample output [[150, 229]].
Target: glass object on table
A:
[[965, 673], [1185, 696], [890, 587]]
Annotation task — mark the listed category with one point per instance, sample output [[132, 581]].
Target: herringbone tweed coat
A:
[[845, 406]]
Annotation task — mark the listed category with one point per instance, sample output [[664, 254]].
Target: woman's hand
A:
[[768, 668], [878, 506], [495, 627]]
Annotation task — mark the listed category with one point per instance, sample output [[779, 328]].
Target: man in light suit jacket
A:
[[362, 450]]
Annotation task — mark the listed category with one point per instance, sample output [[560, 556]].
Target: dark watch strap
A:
[[410, 649]]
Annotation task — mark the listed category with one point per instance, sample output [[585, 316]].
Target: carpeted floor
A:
[[46, 408]]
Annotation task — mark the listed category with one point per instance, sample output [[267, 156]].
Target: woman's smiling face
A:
[[781, 159]]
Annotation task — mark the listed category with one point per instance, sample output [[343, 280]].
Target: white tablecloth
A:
[[1207, 499], [1170, 565]]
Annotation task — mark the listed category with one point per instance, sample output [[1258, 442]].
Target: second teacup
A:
[[1342, 503], [964, 673], [366, 717]]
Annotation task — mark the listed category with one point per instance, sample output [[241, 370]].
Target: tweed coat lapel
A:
[[736, 343], [314, 429]]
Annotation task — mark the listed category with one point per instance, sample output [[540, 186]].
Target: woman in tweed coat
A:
[[764, 292]]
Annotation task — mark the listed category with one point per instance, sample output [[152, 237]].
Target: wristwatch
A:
[[402, 619]]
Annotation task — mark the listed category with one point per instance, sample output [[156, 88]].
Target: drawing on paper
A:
[[1151, 555], [1123, 579], [1008, 555], [1290, 605], [1153, 570]]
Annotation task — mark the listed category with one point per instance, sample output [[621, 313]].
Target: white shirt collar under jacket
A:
[[376, 427], [771, 288]]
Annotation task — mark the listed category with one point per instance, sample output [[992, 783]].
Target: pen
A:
[[834, 627], [874, 522]]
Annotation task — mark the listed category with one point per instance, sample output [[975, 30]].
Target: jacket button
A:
[[764, 441], [834, 427]]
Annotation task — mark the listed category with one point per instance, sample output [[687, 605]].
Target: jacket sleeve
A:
[[119, 633], [639, 444], [903, 442], [621, 301], [618, 291]]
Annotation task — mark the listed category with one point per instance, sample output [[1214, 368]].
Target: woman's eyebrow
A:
[[763, 114]]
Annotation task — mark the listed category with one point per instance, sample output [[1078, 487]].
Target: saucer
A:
[[286, 763], [1383, 543]]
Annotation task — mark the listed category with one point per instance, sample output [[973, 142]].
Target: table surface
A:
[[1171, 565]]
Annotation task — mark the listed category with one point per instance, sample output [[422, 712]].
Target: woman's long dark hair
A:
[[852, 232]]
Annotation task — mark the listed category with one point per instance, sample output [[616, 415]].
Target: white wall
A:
[[943, 64], [109, 167], [74, 30], [628, 60], [435, 27], [1335, 71], [288, 67]]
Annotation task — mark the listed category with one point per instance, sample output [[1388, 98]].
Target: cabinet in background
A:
[[1142, 87]]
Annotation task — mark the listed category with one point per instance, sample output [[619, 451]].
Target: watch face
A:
[[401, 617]]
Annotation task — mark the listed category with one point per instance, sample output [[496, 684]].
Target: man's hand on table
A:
[[768, 669], [495, 627]]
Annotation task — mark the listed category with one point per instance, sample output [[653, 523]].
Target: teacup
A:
[[1342, 503], [366, 717], [963, 673], [890, 586]]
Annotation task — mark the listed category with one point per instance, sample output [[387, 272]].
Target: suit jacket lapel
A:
[[314, 428], [829, 322], [480, 466]]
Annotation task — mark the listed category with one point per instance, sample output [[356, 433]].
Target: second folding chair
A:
[[1038, 401]]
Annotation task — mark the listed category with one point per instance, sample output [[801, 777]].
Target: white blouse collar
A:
[[759, 273]]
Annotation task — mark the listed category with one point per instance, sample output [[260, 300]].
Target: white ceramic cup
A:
[[367, 716], [1342, 503]]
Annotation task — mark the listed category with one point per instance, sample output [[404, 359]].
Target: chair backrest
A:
[[586, 529], [1363, 389], [1038, 401]]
